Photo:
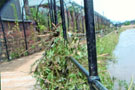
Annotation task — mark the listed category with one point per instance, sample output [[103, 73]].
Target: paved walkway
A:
[[15, 75]]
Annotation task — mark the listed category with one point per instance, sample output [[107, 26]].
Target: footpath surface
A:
[[15, 75]]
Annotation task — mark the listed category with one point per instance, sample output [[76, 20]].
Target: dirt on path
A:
[[15, 75]]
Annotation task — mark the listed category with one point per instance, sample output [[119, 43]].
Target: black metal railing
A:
[[93, 81], [92, 74], [4, 36]]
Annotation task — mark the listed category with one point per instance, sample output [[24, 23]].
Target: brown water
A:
[[124, 68]]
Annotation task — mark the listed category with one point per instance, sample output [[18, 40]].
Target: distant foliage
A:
[[41, 18], [127, 23]]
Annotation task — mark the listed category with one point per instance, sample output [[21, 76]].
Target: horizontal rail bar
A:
[[83, 70], [95, 83], [98, 86]]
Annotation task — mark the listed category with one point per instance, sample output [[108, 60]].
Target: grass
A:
[[55, 72], [106, 44], [105, 47]]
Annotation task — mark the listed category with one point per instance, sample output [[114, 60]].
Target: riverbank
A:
[[123, 69], [105, 47]]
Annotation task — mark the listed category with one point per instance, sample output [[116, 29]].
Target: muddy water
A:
[[124, 67]]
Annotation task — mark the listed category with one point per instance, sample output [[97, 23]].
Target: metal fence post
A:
[[25, 37], [63, 19], [91, 41], [67, 12], [24, 30], [82, 23], [49, 15], [49, 20], [55, 13], [4, 36], [51, 10], [67, 18]]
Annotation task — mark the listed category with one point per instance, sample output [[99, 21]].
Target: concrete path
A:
[[15, 75]]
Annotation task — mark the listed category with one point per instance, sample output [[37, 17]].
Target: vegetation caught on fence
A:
[[54, 71]]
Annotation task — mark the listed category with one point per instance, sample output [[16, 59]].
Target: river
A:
[[124, 67]]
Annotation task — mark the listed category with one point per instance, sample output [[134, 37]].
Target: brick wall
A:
[[16, 41]]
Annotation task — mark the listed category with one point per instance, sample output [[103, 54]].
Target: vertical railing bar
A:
[[74, 27], [4, 36], [55, 13], [63, 19], [82, 18], [49, 17], [24, 29], [91, 41], [51, 10], [67, 12], [82, 23]]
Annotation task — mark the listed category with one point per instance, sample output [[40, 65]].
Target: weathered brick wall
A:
[[16, 41]]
